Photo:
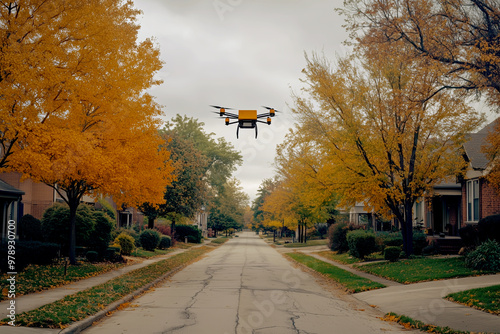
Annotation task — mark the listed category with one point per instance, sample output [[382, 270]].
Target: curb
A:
[[81, 325]]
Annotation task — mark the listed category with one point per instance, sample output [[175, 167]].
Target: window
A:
[[472, 200]]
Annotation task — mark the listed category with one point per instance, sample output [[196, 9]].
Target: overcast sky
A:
[[242, 54]]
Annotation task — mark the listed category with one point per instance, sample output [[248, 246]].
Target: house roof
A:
[[6, 190], [473, 147]]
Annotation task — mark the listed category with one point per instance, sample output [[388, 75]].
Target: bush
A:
[[469, 236], [165, 242], [126, 242], [107, 208], [392, 253], [128, 231], [489, 228], [150, 239], [419, 242], [101, 234], [393, 239], [30, 228], [55, 225], [189, 231], [164, 229], [361, 243], [485, 257], [92, 256], [29, 252], [429, 249], [337, 236], [112, 253]]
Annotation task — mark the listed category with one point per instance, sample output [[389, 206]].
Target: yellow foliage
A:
[[74, 97]]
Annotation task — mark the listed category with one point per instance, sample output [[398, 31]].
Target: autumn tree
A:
[[385, 130], [264, 190], [91, 127], [463, 35]]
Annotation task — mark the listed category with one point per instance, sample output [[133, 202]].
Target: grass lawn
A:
[[485, 299], [307, 244], [220, 240], [88, 302], [352, 283], [37, 278], [139, 252], [345, 258], [419, 270]]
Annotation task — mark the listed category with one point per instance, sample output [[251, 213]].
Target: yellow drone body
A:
[[246, 119]]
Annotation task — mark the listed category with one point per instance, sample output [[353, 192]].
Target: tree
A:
[[92, 127], [460, 34], [383, 129], [228, 208]]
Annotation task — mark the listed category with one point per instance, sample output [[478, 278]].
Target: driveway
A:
[[245, 286]]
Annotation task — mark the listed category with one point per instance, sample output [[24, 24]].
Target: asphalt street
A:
[[245, 286]]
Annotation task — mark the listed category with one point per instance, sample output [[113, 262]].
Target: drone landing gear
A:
[[238, 132]]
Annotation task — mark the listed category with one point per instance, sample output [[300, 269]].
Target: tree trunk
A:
[[151, 222], [172, 228], [73, 206], [407, 230]]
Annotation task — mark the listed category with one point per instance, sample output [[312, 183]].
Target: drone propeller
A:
[[269, 108], [219, 107]]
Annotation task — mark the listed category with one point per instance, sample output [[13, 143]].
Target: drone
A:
[[246, 119]]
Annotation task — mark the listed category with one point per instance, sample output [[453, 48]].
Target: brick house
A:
[[479, 198]]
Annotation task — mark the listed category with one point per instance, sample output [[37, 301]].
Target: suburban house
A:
[[10, 205], [455, 202]]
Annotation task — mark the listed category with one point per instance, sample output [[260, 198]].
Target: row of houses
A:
[[455, 203]]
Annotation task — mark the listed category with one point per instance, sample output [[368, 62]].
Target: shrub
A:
[[55, 225], [164, 229], [128, 231], [112, 253], [361, 243], [101, 234], [419, 242], [30, 228], [337, 236], [107, 208], [469, 236], [189, 231], [485, 257], [392, 253], [165, 242], [150, 239], [92, 256], [126, 243], [429, 249], [489, 228]]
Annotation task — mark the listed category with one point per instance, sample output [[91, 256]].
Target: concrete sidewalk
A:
[[424, 301], [35, 300]]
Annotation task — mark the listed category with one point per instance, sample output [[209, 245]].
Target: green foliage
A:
[[419, 242], [112, 254], [391, 253], [192, 233], [165, 242], [101, 234], [469, 236], [337, 236], [150, 239], [128, 231], [92, 256], [126, 243], [485, 257], [56, 226], [489, 228], [29, 228], [107, 208], [361, 243]]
